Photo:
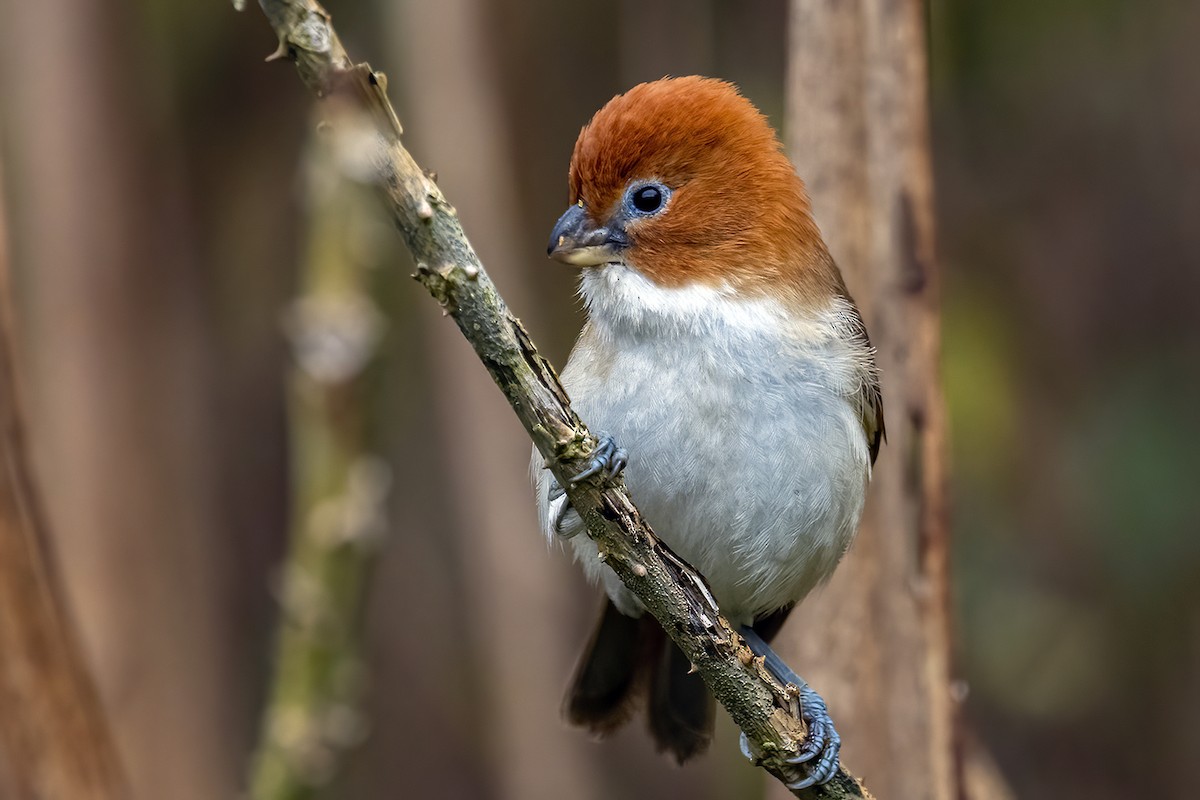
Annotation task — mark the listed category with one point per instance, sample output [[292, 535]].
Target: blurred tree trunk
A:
[[57, 742], [858, 132], [669, 37], [340, 484], [122, 386], [456, 126]]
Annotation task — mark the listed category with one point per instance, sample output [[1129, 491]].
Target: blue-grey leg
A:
[[817, 760], [607, 458]]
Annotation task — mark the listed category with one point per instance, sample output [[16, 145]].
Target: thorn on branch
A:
[[282, 50]]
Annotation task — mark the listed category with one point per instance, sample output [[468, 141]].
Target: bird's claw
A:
[[560, 506], [822, 743], [607, 458], [816, 762]]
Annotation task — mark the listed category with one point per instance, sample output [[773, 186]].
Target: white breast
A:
[[746, 454]]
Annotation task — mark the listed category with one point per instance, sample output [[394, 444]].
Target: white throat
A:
[[622, 299], [623, 303]]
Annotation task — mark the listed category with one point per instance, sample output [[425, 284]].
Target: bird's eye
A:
[[648, 199]]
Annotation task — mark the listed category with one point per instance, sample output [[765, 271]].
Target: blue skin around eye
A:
[[633, 212]]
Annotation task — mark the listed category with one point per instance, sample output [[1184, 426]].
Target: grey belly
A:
[[755, 483]]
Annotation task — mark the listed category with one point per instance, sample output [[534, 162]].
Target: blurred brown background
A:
[[151, 171]]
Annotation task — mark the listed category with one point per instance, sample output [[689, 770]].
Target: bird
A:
[[732, 379]]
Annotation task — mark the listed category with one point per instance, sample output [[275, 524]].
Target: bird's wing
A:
[[870, 396], [871, 409]]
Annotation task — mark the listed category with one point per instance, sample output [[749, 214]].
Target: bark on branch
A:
[[447, 266]]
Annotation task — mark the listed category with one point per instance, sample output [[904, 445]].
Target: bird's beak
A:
[[576, 241]]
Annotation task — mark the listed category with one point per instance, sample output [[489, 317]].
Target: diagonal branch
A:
[[447, 266]]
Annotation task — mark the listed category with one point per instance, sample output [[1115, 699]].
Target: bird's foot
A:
[[817, 760], [607, 458], [560, 509]]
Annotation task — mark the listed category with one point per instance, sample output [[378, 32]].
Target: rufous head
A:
[[685, 180]]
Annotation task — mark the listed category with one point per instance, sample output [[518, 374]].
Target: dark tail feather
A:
[[603, 691], [626, 657], [681, 709]]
